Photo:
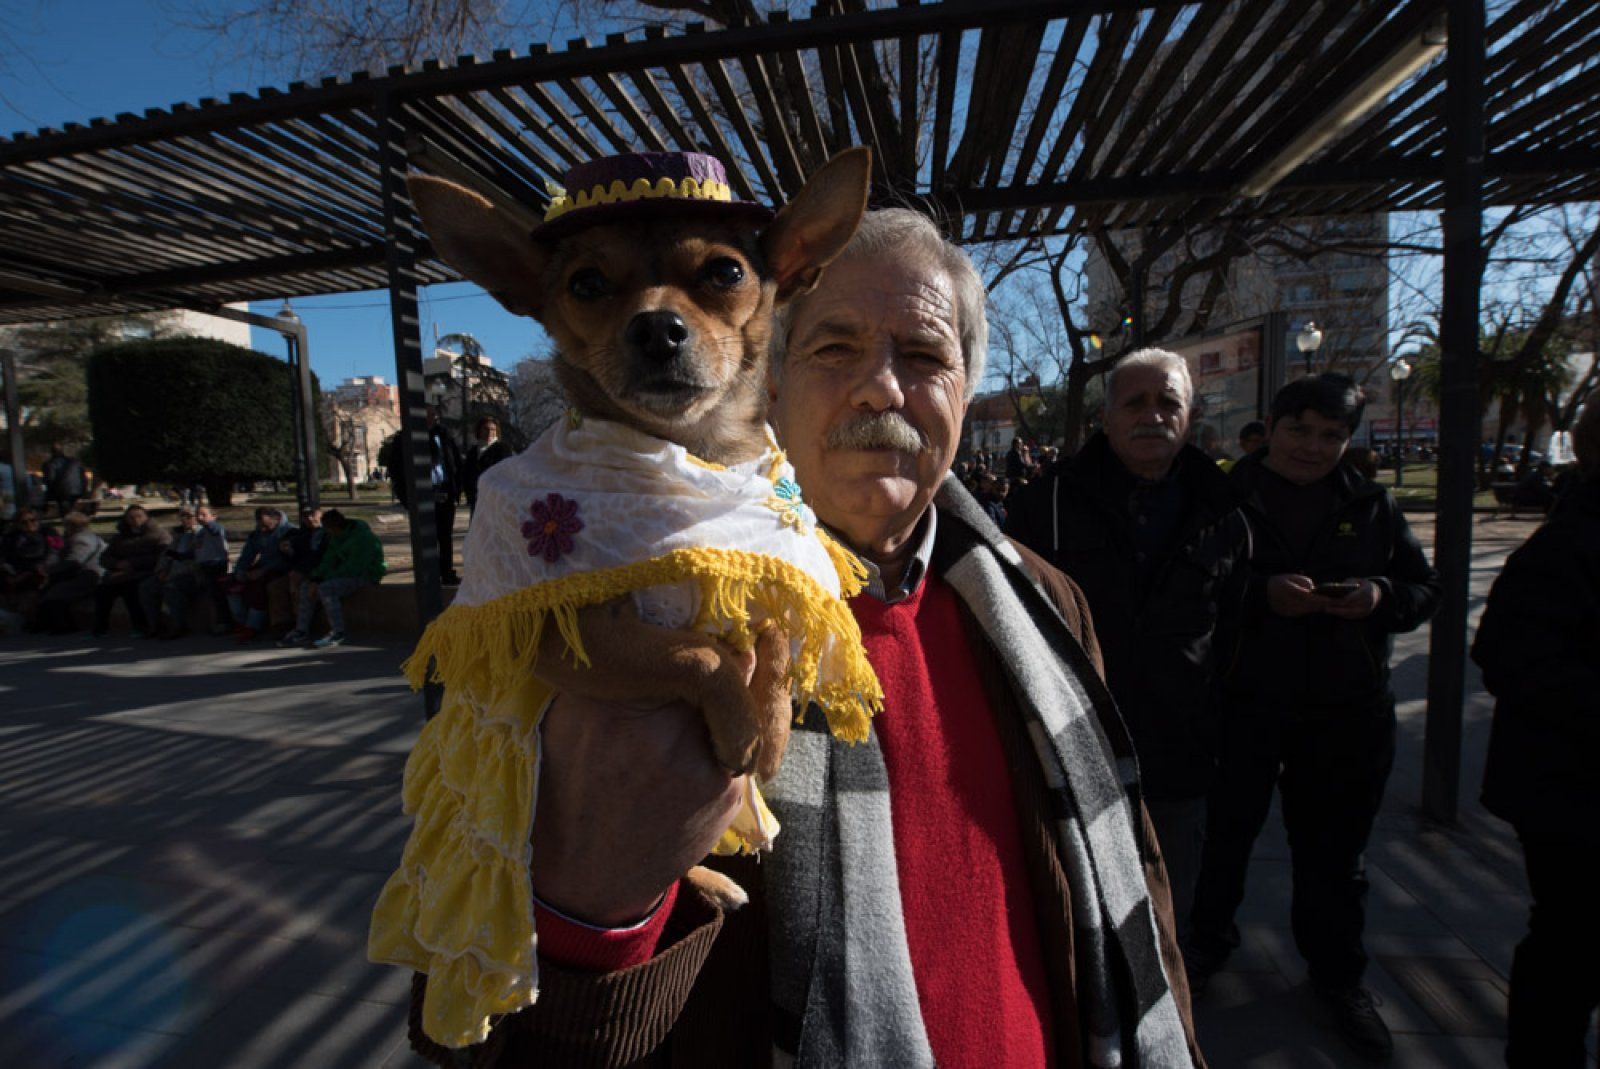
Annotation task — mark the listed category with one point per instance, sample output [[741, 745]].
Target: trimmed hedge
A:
[[184, 410]]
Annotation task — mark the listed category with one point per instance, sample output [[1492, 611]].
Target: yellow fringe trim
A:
[[459, 907], [489, 647], [639, 189]]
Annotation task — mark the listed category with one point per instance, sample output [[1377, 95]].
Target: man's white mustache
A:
[[1165, 433], [877, 430]]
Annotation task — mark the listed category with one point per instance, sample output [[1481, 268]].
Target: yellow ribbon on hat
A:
[[641, 189]]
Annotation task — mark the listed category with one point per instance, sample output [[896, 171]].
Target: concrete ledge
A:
[[388, 609]]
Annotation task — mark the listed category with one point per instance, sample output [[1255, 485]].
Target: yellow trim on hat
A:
[[641, 189]]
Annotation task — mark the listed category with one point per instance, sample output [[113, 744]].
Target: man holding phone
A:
[[1335, 573]]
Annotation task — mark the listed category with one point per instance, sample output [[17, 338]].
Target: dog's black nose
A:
[[659, 335]]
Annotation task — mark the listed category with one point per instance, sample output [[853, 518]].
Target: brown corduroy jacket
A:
[[703, 999]]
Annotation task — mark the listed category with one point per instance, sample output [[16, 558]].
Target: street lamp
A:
[[1400, 371], [1308, 341]]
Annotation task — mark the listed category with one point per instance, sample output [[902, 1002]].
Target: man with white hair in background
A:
[[1151, 530], [973, 885]]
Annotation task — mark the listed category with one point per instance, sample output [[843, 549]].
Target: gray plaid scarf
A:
[[841, 969]]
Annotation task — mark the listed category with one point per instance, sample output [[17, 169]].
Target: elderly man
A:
[[1153, 533], [261, 561], [192, 563], [976, 884]]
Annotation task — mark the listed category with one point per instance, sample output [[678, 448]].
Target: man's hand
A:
[[1356, 606], [630, 798], [1291, 595]]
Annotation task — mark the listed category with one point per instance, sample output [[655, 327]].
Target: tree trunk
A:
[[347, 464], [1535, 422], [219, 491], [1502, 432], [1077, 388]]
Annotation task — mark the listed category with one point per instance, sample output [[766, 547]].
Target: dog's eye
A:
[[723, 272], [589, 284]]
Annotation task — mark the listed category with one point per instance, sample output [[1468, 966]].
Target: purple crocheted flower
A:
[[549, 532]]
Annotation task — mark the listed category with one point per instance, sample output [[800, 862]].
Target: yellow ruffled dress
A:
[[591, 511]]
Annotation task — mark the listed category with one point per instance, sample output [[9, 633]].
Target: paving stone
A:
[[1448, 1052], [47, 1041], [1463, 996], [334, 962], [1397, 1008], [270, 1028], [1393, 908], [406, 1058], [36, 864], [1259, 1021], [153, 985]]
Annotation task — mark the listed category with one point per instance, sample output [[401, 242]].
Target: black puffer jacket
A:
[[1539, 648], [1322, 661], [1162, 648]]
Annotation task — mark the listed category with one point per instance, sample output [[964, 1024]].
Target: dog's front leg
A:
[[744, 697]]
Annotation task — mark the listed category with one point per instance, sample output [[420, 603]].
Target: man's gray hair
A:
[[1161, 359], [912, 236]]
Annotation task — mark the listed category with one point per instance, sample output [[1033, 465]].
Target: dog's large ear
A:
[[482, 242], [816, 226]]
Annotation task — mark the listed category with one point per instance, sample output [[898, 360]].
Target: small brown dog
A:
[[661, 310]]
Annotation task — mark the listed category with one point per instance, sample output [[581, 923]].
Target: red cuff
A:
[[574, 945]]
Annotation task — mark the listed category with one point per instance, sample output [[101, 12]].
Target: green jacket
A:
[[355, 553]]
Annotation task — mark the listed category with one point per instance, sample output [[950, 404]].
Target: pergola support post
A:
[[1458, 405], [19, 462], [400, 241], [312, 485]]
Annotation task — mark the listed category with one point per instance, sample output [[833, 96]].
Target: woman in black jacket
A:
[[489, 450], [1539, 648]]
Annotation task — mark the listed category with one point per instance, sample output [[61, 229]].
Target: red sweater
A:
[[969, 913]]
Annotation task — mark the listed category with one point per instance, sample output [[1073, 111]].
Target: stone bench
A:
[[388, 610]]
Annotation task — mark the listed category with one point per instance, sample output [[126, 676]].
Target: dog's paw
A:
[[727, 895]]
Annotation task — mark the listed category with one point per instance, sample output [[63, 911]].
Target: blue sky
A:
[[75, 60]]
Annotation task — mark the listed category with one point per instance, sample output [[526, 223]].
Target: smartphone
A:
[[1335, 590]]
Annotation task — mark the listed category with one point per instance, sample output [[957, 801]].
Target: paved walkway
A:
[[193, 835]]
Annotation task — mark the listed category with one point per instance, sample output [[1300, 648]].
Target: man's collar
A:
[[916, 565]]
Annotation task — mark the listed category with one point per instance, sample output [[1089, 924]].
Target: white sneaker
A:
[[332, 638]]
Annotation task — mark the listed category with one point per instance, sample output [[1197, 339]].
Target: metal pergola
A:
[[1009, 118]]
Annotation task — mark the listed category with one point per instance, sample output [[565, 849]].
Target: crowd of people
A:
[[1246, 620], [50, 576], [158, 573]]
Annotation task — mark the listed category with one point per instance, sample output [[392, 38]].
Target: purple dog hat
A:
[[638, 185]]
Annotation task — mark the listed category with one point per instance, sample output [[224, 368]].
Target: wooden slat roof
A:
[[1023, 117]]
